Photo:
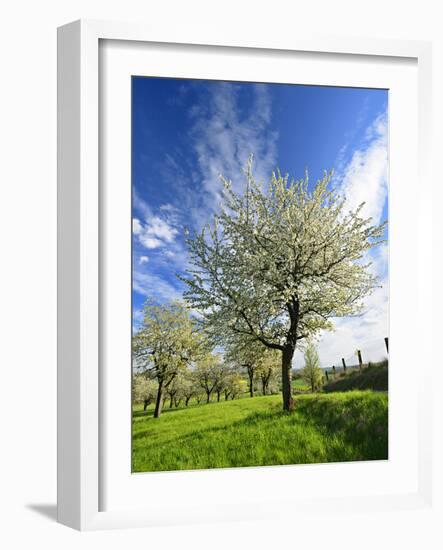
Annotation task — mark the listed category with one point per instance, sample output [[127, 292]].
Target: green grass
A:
[[374, 377], [256, 432], [300, 385]]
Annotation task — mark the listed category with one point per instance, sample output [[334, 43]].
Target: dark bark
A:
[[265, 381], [208, 396], [218, 396], [159, 400], [145, 404], [171, 402], [187, 400], [288, 353], [251, 381]]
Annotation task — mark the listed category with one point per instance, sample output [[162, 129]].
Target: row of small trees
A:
[[201, 384], [174, 359]]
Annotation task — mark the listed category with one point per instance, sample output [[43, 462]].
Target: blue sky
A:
[[185, 133]]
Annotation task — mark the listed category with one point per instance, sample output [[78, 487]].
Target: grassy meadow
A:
[[334, 427]]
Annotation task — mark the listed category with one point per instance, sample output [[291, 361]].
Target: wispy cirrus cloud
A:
[[151, 285], [365, 177], [224, 135]]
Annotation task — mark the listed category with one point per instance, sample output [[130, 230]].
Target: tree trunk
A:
[[287, 354], [218, 396], [145, 404], [263, 383], [159, 400], [251, 382], [208, 396], [171, 402], [187, 400]]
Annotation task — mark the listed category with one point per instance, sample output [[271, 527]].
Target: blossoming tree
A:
[[166, 344], [279, 262]]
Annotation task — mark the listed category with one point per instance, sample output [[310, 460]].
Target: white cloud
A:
[[169, 208], [136, 226], [151, 285], [365, 177], [150, 242], [156, 227], [224, 137], [154, 233], [143, 260]]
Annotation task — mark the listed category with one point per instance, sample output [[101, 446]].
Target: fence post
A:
[[360, 362], [344, 364], [333, 370], [327, 376], [387, 344]]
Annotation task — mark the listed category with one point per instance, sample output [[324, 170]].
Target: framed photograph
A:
[[241, 276]]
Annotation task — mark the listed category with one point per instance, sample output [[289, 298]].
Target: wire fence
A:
[[372, 351]]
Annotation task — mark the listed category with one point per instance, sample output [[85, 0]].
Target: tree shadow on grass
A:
[[253, 418], [166, 410], [182, 445]]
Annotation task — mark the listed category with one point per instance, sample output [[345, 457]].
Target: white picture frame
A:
[[79, 260]]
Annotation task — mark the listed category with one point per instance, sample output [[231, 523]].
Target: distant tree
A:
[[172, 391], [209, 373], [279, 263], [234, 384], [144, 390], [165, 345], [311, 372], [268, 368], [242, 351], [189, 387], [221, 383]]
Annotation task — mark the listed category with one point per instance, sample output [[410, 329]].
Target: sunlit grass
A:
[[256, 432]]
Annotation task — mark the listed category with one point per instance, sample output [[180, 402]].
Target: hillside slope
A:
[[369, 378]]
